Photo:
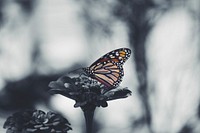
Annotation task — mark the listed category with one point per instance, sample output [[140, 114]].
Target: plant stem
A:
[[89, 119]]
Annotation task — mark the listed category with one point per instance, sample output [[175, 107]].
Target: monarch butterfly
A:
[[108, 69]]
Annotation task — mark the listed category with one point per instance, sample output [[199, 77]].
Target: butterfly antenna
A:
[[75, 70], [79, 71]]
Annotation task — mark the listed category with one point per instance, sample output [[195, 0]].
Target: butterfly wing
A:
[[108, 69], [110, 74], [119, 56]]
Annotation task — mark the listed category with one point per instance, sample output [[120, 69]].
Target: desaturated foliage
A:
[[41, 40]]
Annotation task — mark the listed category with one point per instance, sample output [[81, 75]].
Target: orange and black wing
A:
[[109, 74], [119, 56], [108, 69]]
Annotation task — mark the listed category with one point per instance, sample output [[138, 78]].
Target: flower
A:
[[87, 92], [36, 121]]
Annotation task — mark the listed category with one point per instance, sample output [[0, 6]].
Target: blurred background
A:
[[41, 40]]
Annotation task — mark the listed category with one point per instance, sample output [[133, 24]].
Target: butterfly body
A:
[[108, 69]]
